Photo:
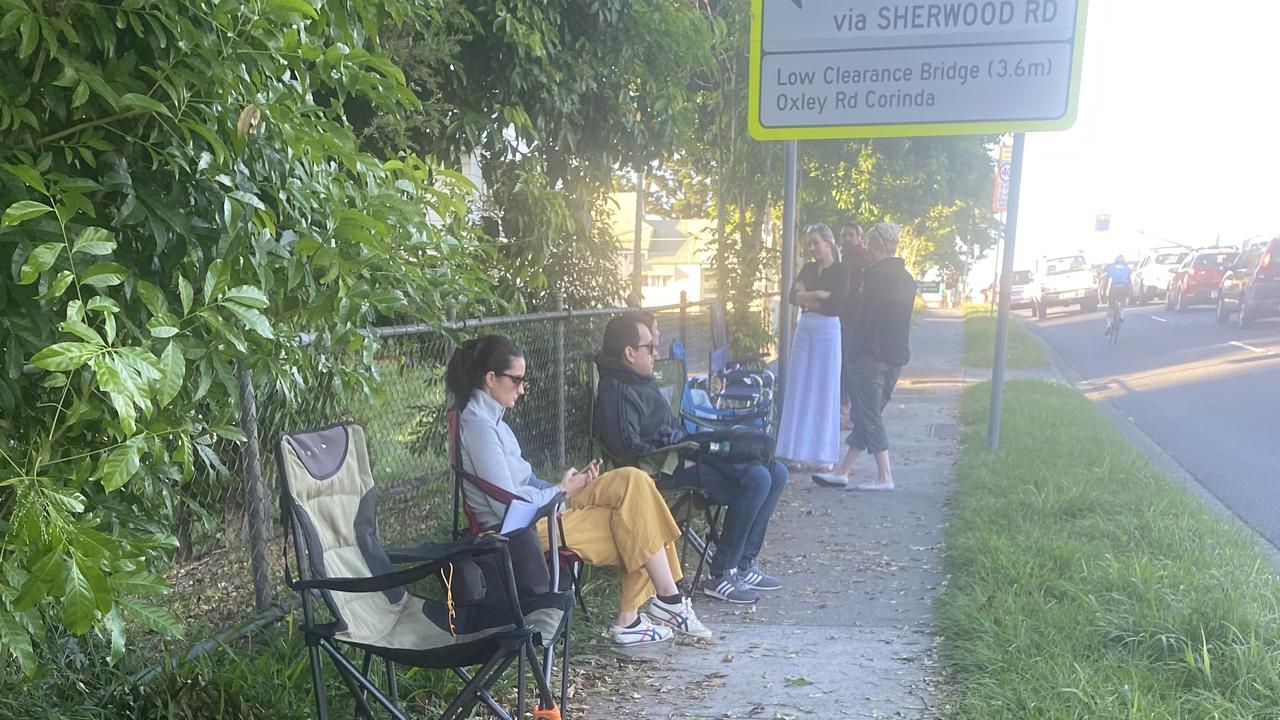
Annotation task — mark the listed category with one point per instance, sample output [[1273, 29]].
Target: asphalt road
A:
[[1208, 394]]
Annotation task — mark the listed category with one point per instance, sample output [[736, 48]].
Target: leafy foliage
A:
[[938, 189], [550, 97], [183, 196]]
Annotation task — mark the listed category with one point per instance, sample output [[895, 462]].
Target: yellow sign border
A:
[[759, 132]]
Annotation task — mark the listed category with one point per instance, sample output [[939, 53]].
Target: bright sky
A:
[[1178, 133]]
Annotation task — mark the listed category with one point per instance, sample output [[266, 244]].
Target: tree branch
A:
[[84, 125]]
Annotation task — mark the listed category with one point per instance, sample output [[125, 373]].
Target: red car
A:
[[1196, 280]]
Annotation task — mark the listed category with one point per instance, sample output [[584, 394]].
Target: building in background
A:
[[674, 254]]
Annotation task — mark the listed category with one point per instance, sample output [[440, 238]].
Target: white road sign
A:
[[868, 68]]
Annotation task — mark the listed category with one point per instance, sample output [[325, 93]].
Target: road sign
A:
[[876, 68], [1000, 188]]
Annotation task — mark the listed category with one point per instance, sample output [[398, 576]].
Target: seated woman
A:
[[617, 518]]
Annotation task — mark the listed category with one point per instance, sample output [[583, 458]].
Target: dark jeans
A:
[[873, 384], [847, 355], [750, 493]]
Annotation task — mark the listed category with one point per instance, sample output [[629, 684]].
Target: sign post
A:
[[1000, 206], [788, 261], [880, 68]]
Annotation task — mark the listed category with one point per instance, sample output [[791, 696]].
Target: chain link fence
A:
[[230, 569]]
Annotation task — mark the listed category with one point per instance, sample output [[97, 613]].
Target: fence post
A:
[[255, 492], [684, 318], [557, 303]]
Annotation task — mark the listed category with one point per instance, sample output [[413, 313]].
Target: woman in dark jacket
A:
[[882, 348]]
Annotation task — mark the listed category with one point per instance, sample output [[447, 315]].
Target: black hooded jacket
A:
[[632, 419], [884, 318]]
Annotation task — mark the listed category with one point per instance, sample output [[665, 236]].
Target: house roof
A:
[[663, 240]]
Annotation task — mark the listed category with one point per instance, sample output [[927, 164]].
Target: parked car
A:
[[1250, 290], [1065, 280], [1197, 279], [1151, 279], [1019, 290]]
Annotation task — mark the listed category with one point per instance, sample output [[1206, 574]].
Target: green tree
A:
[[552, 97], [182, 194], [938, 189]]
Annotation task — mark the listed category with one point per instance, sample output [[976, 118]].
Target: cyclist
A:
[[1119, 282]]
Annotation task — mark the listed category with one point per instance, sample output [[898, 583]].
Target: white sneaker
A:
[[645, 633], [831, 480], [680, 618]]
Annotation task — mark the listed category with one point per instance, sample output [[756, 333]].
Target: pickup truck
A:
[[1065, 280]]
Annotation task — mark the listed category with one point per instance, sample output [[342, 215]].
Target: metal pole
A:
[[1002, 319], [995, 271], [788, 261], [684, 319], [557, 302], [259, 518], [636, 266]]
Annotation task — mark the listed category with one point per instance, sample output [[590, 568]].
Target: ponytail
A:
[[473, 360]]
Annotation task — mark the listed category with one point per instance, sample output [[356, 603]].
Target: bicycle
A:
[[1115, 312]]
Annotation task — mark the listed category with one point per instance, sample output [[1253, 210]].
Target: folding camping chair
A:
[[559, 558], [695, 407], [683, 502], [491, 614], [735, 382]]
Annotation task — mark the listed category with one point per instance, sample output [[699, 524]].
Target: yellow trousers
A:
[[621, 519]]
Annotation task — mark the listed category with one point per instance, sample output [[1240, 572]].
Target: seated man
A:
[[634, 421]]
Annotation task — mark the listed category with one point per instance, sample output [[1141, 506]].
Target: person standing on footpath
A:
[[882, 349], [853, 256], [809, 434]]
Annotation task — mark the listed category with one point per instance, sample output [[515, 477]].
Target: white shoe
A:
[[831, 480], [680, 618], [875, 486], [645, 633]]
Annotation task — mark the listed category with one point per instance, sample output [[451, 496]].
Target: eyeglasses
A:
[[651, 347], [517, 379]]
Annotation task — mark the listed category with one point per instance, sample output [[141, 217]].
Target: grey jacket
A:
[[490, 451]]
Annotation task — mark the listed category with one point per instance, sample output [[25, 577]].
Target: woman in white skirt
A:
[[809, 435]]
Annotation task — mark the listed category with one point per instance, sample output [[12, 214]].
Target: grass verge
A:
[[980, 342], [1084, 583]]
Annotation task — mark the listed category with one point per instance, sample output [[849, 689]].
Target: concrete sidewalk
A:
[[850, 635]]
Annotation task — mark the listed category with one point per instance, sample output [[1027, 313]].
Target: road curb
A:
[[1152, 449]]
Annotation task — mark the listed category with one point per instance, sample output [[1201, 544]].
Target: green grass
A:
[[1084, 583], [980, 341]]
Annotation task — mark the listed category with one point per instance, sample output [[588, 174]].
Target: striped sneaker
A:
[[728, 586], [755, 579], [680, 618], [644, 633]]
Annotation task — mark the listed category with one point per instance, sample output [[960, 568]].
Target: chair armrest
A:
[[551, 507], [431, 558]]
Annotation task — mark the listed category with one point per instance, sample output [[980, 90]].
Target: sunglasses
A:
[[517, 379]]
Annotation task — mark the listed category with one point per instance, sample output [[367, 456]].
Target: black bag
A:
[[739, 444], [478, 582]]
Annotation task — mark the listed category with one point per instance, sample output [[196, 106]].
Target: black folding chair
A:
[[488, 612], [563, 563], [685, 503]]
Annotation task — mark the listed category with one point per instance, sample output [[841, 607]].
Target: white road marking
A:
[[1246, 347], [1158, 318]]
